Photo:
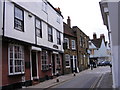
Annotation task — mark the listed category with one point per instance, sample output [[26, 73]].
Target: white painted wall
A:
[[114, 13], [29, 23], [29, 27]]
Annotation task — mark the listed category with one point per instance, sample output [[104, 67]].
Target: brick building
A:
[[32, 49], [82, 48], [70, 52], [76, 55]]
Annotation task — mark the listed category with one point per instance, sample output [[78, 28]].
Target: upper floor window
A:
[[80, 41], [58, 38], [16, 59], [73, 44], [18, 19], [66, 40], [50, 34], [38, 28], [44, 6], [58, 18]]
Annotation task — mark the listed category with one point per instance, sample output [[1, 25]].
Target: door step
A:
[[35, 81]]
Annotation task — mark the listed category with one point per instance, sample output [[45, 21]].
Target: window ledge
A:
[[16, 74]]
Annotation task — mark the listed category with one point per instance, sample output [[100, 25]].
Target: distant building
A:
[[99, 49], [32, 42], [70, 51], [76, 55], [82, 48]]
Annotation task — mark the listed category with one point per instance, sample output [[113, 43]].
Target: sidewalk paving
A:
[[104, 82]]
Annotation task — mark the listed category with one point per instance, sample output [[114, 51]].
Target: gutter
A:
[[3, 18]]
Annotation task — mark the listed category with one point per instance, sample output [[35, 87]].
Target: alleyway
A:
[[97, 78]]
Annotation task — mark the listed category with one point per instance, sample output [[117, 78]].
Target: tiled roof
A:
[[69, 31], [97, 42]]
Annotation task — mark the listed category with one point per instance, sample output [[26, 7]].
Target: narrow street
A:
[[86, 79]]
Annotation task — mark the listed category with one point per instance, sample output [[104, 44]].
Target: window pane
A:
[[11, 69], [38, 32], [18, 13], [37, 23], [18, 24]]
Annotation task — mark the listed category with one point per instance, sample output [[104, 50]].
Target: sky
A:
[[85, 14]]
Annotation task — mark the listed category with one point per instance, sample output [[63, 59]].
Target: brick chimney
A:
[[102, 36], [58, 9], [69, 21], [94, 36]]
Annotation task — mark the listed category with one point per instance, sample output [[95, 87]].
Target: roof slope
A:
[[97, 42]]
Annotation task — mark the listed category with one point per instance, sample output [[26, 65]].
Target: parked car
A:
[[104, 63]]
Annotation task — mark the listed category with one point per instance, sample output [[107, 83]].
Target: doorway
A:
[[34, 64], [53, 63]]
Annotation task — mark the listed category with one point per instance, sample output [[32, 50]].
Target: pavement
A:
[[105, 81]]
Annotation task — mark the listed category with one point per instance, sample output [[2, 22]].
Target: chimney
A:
[[94, 36], [58, 9], [69, 21], [102, 36]]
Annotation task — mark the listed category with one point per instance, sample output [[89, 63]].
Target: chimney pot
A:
[[94, 36], [69, 21]]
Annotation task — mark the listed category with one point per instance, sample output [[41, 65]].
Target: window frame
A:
[[58, 18], [50, 35], [68, 59], [67, 41], [22, 60], [73, 44], [15, 18], [40, 27], [58, 37], [44, 59]]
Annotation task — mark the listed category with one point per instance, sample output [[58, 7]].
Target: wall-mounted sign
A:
[[55, 46]]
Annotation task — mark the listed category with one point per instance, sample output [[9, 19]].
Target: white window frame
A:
[[58, 37], [58, 18], [67, 58], [67, 41], [73, 45], [44, 59], [38, 28], [18, 19], [50, 33], [18, 59]]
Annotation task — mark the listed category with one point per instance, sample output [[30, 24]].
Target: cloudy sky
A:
[[83, 13]]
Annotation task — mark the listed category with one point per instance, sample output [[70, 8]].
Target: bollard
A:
[[57, 80], [74, 74]]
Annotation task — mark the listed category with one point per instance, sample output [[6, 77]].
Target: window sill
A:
[[19, 30], [73, 49], [16, 74], [67, 66]]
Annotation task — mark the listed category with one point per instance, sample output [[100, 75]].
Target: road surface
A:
[[86, 79]]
